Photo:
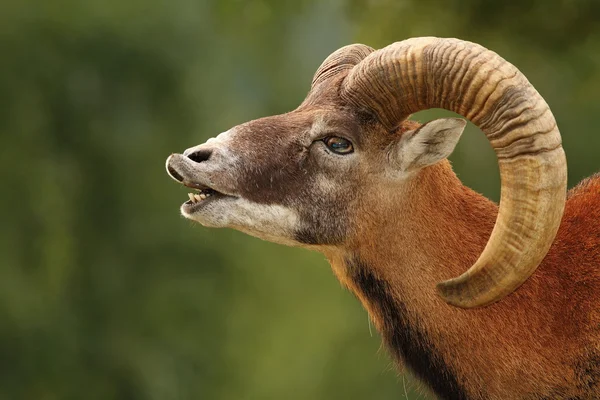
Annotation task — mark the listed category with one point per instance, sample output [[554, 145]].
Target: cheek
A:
[[324, 215], [274, 179]]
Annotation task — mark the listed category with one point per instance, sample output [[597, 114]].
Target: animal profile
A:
[[480, 301]]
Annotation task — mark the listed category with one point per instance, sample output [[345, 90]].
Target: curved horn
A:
[[466, 78], [345, 58]]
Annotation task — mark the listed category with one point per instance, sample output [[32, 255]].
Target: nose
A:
[[198, 154], [171, 170]]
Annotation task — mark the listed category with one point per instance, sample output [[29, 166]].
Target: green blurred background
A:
[[106, 292]]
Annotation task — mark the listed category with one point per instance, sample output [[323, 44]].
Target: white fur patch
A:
[[274, 223], [222, 156], [319, 126]]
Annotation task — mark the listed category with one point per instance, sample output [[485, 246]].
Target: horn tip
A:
[[452, 292]]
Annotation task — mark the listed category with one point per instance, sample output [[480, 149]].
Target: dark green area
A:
[[106, 293]]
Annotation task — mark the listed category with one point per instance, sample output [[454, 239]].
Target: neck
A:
[[435, 232], [431, 229]]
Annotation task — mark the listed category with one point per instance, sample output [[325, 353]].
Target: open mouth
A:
[[179, 169], [203, 195]]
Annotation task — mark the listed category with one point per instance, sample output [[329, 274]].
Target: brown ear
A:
[[429, 144]]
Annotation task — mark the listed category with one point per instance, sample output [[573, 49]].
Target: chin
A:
[[210, 212]]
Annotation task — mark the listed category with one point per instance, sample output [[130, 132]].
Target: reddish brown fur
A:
[[543, 341], [392, 236]]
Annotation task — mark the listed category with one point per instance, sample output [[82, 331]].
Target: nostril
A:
[[200, 155]]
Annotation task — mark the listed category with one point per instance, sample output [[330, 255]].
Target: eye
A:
[[339, 145]]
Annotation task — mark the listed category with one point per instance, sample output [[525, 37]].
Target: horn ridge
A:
[[344, 58]]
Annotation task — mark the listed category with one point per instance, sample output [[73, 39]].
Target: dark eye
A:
[[338, 145]]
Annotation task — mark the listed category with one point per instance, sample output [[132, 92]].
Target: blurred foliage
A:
[[105, 293]]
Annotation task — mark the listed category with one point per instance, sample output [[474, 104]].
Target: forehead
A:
[[302, 125]]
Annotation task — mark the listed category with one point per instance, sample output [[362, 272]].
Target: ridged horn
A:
[[464, 77], [344, 58]]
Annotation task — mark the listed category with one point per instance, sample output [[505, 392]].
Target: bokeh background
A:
[[106, 292]]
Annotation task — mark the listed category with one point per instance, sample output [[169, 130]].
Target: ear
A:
[[430, 143]]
